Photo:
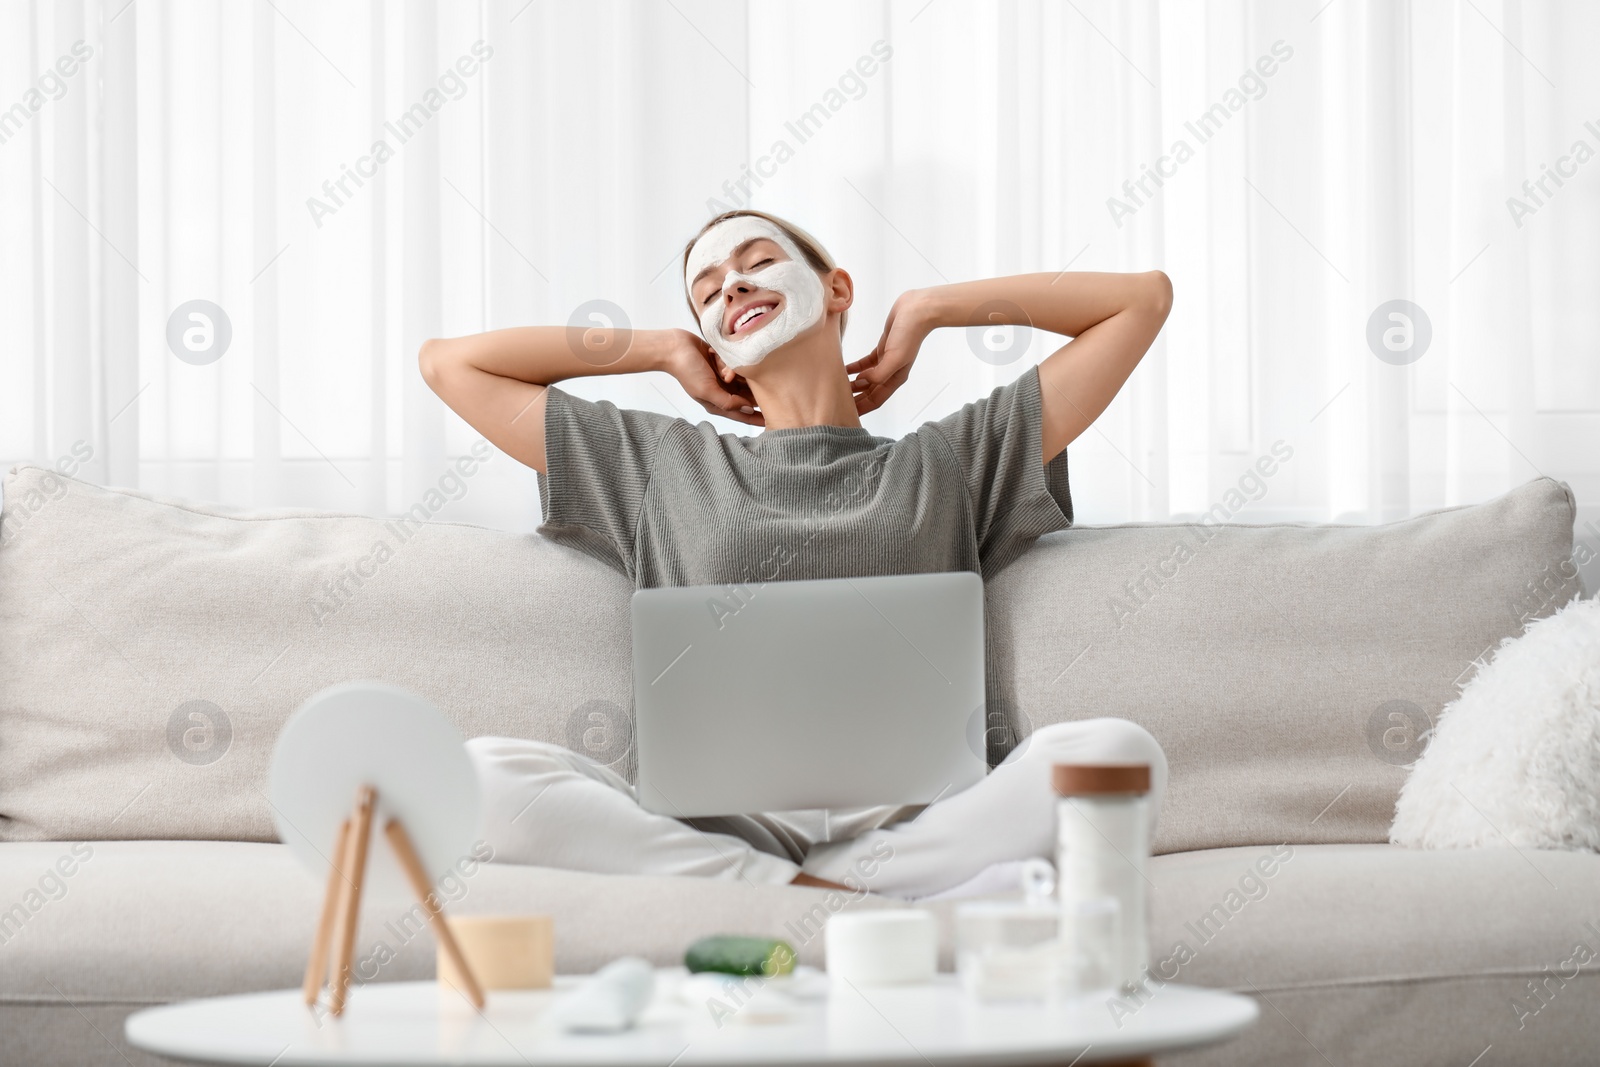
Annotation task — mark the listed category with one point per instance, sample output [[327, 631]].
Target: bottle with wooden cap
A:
[[1103, 850]]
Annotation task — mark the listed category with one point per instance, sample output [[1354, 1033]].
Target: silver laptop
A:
[[830, 693]]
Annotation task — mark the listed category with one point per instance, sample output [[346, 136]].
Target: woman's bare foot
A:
[[820, 883]]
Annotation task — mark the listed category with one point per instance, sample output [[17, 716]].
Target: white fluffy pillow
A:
[[1515, 759]]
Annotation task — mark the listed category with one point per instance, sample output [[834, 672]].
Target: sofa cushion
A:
[[1374, 954], [1288, 671], [151, 650]]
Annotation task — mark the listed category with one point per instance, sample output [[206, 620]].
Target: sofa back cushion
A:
[[1290, 672], [150, 650]]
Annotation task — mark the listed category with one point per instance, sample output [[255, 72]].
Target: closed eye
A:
[[758, 264]]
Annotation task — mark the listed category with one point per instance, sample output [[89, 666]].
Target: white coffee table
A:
[[936, 1025]]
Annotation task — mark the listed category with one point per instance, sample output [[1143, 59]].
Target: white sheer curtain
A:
[[1317, 160]]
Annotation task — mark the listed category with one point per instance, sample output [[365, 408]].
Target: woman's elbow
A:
[[431, 360], [1158, 290]]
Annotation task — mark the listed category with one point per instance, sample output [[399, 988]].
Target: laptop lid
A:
[[827, 693]]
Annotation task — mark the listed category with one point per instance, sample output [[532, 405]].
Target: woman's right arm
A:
[[497, 381]]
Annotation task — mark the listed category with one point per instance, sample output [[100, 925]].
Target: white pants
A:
[[549, 806]]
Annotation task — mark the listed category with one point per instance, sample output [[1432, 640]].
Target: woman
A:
[[815, 495]]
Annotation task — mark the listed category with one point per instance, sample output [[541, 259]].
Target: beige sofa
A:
[[151, 649]]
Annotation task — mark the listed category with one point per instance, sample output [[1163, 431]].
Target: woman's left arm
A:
[[1111, 318]]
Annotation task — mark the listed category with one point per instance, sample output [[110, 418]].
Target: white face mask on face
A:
[[794, 280]]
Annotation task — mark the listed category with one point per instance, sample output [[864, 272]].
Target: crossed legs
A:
[[550, 806]]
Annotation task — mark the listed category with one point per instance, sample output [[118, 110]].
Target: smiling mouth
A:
[[753, 318]]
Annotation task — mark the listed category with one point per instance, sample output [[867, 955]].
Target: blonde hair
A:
[[816, 255]]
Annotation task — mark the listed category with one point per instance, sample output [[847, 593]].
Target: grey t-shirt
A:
[[671, 503]]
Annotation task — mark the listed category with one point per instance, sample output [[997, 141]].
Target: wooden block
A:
[[504, 951]]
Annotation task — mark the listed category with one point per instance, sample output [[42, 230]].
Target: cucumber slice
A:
[[731, 954]]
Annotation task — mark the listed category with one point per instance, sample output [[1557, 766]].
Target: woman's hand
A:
[[875, 376], [720, 391]]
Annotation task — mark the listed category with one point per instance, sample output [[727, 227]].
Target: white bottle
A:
[[1103, 850]]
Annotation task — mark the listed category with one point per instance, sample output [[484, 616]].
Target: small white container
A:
[[1011, 949], [889, 947], [1091, 947], [1103, 850]]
